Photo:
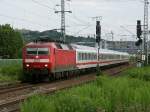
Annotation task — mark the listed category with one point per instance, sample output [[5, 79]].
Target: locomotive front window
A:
[[32, 51], [37, 51], [43, 51]]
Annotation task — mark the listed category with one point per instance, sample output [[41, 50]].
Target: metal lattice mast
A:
[[146, 3], [63, 26]]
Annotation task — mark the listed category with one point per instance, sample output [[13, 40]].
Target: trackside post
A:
[[98, 39]]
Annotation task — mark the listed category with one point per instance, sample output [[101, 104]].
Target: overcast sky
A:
[[39, 15]]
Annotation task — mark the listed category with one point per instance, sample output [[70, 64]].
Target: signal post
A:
[[98, 40], [139, 42]]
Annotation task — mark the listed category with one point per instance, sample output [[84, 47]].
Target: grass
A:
[[10, 62], [10, 70], [106, 94], [140, 73]]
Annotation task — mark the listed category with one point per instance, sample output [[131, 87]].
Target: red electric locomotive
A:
[[48, 58], [55, 59]]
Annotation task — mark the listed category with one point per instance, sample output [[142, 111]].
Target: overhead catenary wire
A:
[[75, 17], [78, 19], [75, 20], [29, 12], [79, 22], [82, 30], [28, 20], [24, 20], [43, 5]]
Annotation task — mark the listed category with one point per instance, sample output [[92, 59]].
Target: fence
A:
[[7, 62]]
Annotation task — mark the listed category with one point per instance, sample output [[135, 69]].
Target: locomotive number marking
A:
[[36, 60]]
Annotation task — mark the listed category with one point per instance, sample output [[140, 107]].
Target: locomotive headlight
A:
[[46, 65], [27, 65]]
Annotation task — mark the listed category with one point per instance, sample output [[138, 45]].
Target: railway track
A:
[[12, 103], [11, 98], [117, 70], [14, 88], [9, 85]]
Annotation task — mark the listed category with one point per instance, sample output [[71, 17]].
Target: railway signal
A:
[[98, 31], [98, 39], [139, 42], [139, 29], [139, 33]]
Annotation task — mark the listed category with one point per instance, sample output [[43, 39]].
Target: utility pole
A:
[[145, 32], [63, 26]]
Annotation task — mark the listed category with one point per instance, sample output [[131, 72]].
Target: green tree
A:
[[11, 42]]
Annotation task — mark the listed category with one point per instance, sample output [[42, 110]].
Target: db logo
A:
[[37, 57]]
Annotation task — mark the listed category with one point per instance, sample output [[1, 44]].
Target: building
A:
[[123, 46]]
